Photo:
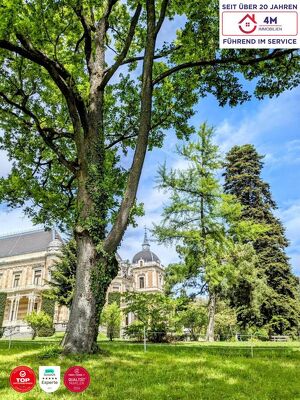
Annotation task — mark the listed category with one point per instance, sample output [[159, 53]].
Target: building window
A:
[[17, 278], [116, 288], [141, 282], [141, 263], [160, 280], [37, 277]]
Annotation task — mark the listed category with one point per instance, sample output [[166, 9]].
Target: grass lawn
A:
[[176, 372]]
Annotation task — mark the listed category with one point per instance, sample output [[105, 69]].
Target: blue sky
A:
[[272, 125]]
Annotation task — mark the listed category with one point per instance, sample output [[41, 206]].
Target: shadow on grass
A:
[[175, 372]]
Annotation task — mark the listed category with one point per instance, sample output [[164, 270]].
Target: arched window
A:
[[141, 263], [141, 282]]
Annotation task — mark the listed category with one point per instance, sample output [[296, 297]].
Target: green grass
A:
[[176, 372]]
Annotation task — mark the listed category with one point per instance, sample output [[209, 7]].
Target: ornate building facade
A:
[[26, 261]]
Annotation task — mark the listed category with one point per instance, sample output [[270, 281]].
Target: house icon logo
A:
[[248, 24]]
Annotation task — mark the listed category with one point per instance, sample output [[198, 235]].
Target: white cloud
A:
[[290, 216], [5, 164], [295, 261], [272, 115], [288, 154]]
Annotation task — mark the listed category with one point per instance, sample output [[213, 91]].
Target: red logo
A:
[[22, 379], [76, 379], [248, 24]]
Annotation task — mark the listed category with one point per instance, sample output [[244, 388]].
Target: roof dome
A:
[[146, 254]]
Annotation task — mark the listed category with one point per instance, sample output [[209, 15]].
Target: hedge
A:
[[3, 297]]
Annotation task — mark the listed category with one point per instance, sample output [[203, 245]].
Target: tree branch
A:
[[163, 10], [157, 56], [120, 139], [110, 72], [225, 61], [115, 235], [70, 165], [87, 36], [111, 3]]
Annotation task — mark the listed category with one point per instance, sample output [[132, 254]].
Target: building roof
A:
[[26, 242], [146, 254]]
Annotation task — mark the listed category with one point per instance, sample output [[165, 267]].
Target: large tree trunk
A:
[[95, 268], [210, 332], [93, 277]]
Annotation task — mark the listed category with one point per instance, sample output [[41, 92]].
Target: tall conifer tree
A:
[[279, 310]]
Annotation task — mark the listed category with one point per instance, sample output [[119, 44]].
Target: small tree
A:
[[226, 321], [155, 311], [194, 318], [111, 318], [37, 321]]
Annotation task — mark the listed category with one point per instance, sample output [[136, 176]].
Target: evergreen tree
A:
[[63, 276], [205, 225], [280, 307]]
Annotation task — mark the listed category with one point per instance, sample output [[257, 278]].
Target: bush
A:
[[2, 307], [46, 331], [261, 334], [225, 321], [37, 321], [193, 319], [135, 331]]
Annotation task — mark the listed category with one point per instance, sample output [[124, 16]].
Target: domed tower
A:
[[147, 270]]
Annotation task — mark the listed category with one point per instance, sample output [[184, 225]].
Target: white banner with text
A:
[[259, 24]]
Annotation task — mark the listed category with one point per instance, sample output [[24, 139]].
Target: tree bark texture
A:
[[210, 332]]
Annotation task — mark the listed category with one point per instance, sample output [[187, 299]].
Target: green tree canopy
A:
[[153, 312], [194, 318]]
